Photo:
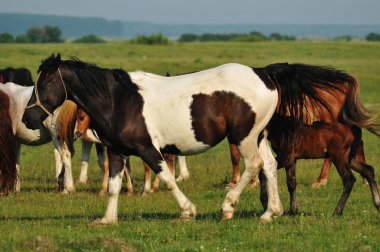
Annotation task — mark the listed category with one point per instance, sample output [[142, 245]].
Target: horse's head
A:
[[83, 123], [49, 93]]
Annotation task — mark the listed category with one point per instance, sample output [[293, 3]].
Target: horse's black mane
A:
[[94, 80]]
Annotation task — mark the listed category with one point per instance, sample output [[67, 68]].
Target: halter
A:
[[38, 101]]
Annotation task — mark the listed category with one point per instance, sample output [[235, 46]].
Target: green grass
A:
[[39, 218]]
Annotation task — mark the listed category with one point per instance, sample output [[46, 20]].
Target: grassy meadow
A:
[[39, 218]]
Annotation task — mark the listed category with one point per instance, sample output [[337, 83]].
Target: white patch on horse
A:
[[167, 101]]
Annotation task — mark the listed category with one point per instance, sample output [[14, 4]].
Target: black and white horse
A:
[[146, 115]]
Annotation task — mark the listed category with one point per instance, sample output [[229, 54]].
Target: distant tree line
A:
[[240, 37], [44, 34], [53, 34]]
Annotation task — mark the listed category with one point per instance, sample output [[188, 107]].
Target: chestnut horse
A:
[[7, 147], [339, 142]]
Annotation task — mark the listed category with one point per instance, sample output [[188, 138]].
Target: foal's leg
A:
[[59, 171], [116, 166], [183, 171], [322, 179], [292, 185], [348, 182], [156, 162], [368, 173], [86, 150]]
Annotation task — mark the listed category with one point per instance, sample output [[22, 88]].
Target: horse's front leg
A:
[[156, 162], [18, 153], [116, 172]]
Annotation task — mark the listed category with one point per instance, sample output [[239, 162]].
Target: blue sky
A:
[[209, 11]]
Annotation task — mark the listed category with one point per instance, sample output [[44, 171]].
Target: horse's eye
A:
[[81, 118]]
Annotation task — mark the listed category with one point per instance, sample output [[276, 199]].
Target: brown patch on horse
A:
[[220, 114], [66, 121], [7, 146]]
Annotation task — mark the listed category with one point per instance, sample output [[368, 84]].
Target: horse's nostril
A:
[[25, 120]]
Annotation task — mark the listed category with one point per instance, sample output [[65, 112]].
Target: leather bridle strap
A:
[[38, 101]]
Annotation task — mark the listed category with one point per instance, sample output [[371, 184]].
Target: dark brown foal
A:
[[338, 142]]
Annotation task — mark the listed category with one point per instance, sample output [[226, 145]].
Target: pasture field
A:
[[39, 218]]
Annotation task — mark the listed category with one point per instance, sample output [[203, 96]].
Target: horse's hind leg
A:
[[254, 163], [348, 180], [18, 153], [368, 173], [291, 182], [322, 179], [103, 165], [274, 206]]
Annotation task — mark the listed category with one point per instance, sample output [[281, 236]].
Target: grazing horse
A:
[[339, 142], [7, 146], [21, 76], [146, 115]]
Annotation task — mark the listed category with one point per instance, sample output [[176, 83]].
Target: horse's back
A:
[[178, 109]]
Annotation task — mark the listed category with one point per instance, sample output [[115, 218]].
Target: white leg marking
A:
[[253, 163], [270, 171], [114, 187], [66, 159]]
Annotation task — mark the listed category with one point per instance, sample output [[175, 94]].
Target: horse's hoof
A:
[[265, 218], [189, 211], [227, 216], [102, 193], [319, 183], [230, 186], [103, 222]]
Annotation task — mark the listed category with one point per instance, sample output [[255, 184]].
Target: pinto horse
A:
[[136, 114], [21, 76], [7, 146]]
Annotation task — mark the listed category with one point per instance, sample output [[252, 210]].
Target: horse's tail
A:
[[300, 87], [354, 113], [7, 145], [66, 121]]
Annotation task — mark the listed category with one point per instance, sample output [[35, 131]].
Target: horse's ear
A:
[[167, 74], [58, 58]]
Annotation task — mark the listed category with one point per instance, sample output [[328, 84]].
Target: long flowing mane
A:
[[93, 80]]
